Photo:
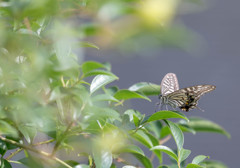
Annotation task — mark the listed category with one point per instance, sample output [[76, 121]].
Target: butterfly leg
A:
[[158, 106]]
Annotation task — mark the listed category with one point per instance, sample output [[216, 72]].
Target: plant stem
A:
[[55, 148], [14, 153], [20, 149], [45, 154]]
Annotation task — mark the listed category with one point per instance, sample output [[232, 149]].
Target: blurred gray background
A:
[[216, 62]]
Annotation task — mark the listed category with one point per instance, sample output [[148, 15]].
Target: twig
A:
[[20, 149], [164, 140], [45, 154], [27, 23], [14, 153], [55, 148]]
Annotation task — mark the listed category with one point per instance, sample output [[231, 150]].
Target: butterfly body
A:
[[186, 98]]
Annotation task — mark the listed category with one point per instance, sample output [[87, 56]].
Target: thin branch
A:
[[45, 154], [20, 149], [164, 140], [27, 23], [56, 146], [14, 153]]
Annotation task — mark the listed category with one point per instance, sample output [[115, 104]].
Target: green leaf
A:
[[127, 94], [144, 160], [166, 150], [155, 127], [91, 65], [3, 147], [102, 158], [186, 128], [146, 88], [214, 164], [203, 125], [88, 44], [100, 81], [5, 164], [176, 133], [29, 132], [132, 149], [183, 155], [160, 115], [193, 166], [134, 116], [198, 159], [143, 138], [7, 129], [95, 113], [104, 97], [33, 162], [98, 72]]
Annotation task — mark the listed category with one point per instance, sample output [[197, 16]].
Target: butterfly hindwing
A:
[[190, 96]]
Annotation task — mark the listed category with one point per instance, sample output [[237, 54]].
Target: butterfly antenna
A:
[[199, 109]]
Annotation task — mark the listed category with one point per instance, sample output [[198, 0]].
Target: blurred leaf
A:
[[127, 94], [213, 164], [98, 72], [166, 131], [132, 149], [72, 163], [111, 90], [146, 88], [160, 115], [183, 155], [100, 81], [104, 97], [155, 127], [88, 66], [7, 129], [128, 166], [144, 160], [4, 163], [203, 125], [3, 147], [186, 128], [198, 159], [102, 158], [33, 162], [134, 116], [88, 44], [28, 131], [176, 133], [143, 138], [95, 113], [166, 150], [193, 166]]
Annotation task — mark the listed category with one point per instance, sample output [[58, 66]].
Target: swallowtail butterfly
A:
[[186, 98]]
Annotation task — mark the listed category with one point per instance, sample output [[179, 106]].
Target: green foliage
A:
[[50, 96]]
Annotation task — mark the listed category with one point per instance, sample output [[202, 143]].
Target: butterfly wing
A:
[[169, 84], [187, 98]]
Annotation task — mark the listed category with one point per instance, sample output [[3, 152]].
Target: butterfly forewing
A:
[[169, 84]]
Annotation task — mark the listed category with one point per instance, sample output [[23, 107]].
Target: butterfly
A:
[[186, 98]]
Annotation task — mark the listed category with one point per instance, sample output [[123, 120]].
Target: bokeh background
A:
[[214, 58]]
